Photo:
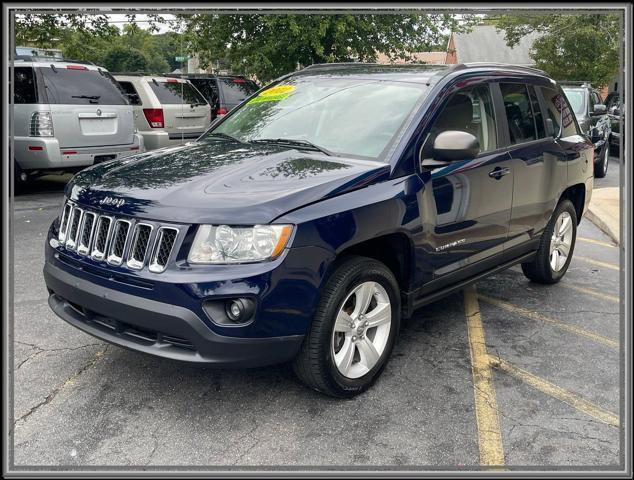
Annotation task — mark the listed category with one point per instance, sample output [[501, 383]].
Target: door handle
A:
[[499, 172]]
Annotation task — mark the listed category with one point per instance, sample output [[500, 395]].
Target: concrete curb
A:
[[603, 211]]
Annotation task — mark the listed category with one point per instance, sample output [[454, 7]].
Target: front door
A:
[[465, 206]]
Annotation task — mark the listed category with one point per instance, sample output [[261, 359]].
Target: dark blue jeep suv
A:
[[328, 206]]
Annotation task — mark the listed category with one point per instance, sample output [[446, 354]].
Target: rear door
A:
[[538, 162], [186, 112], [87, 106]]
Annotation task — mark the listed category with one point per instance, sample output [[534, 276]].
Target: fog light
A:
[[235, 310]]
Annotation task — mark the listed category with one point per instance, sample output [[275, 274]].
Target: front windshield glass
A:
[[346, 116], [575, 97]]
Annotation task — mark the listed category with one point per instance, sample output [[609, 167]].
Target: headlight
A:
[[225, 244]]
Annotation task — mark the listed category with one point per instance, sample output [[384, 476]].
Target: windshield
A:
[[576, 98], [80, 86], [350, 117]]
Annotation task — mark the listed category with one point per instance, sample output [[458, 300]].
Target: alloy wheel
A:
[[362, 329], [561, 241]]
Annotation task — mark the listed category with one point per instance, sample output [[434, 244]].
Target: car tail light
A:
[[76, 67], [69, 152], [221, 111], [239, 80], [36, 148], [41, 124], [171, 80], [154, 117]]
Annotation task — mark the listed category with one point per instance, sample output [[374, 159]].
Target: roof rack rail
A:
[[41, 58], [525, 68], [581, 83], [136, 74]]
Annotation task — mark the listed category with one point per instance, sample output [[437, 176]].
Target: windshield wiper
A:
[[89, 97], [300, 144], [227, 136]]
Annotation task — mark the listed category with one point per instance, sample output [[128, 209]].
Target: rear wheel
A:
[[556, 246], [354, 329], [20, 179]]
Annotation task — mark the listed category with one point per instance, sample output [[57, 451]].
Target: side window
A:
[[469, 110], [519, 113], [131, 93], [537, 113], [559, 111], [593, 101], [24, 90]]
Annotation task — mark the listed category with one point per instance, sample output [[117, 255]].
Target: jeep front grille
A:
[[85, 233], [138, 248], [163, 248], [117, 241]]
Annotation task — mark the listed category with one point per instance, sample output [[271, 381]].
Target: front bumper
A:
[[156, 328]]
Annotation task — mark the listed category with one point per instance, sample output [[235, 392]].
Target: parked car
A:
[[306, 223], [615, 111], [67, 115], [167, 111], [593, 119], [223, 92]]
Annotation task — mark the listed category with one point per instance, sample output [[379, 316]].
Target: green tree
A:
[[571, 47], [269, 45], [121, 58]]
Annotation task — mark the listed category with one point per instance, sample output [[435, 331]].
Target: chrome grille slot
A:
[[86, 231], [163, 246], [139, 245], [118, 242], [100, 244], [73, 228], [63, 224]]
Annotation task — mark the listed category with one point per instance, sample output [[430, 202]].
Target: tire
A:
[[19, 185], [541, 269], [322, 357], [601, 168]]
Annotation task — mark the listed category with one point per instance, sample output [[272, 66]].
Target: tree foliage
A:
[[571, 47], [269, 45]]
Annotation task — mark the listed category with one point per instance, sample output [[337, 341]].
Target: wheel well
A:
[[394, 250], [577, 195]]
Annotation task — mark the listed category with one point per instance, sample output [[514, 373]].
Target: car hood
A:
[[220, 181]]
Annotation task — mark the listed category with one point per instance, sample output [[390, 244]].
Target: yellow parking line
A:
[[559, 393], [594, 293], [595, 242], [488, 422], [591, 261], [538, 316]]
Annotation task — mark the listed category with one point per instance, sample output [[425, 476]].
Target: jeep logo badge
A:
[[99, 112], [115, 202]]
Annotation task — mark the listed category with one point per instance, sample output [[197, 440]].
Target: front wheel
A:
[[555, 247], [354, 329]]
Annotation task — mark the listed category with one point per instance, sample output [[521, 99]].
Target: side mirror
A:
[[599, 109], [550, 128], [453, 145]]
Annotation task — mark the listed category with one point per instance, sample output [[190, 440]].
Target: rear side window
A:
[[208, 87], [76, 86], [560, 112], [24, 89], [537, 113], [519, 112], [235, 90], [131, 93], [176, 93]]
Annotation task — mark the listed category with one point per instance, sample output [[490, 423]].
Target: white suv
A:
[[167, 111], [67, 115]]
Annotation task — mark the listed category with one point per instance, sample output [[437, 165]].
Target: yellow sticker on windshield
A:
[[274, 94]]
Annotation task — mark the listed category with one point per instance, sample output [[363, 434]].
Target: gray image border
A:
[[625, 90]]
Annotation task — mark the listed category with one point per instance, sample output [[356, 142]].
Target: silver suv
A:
[[167, 111], [68, 115]]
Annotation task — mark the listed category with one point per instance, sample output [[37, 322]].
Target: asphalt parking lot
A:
[[507, 372]]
